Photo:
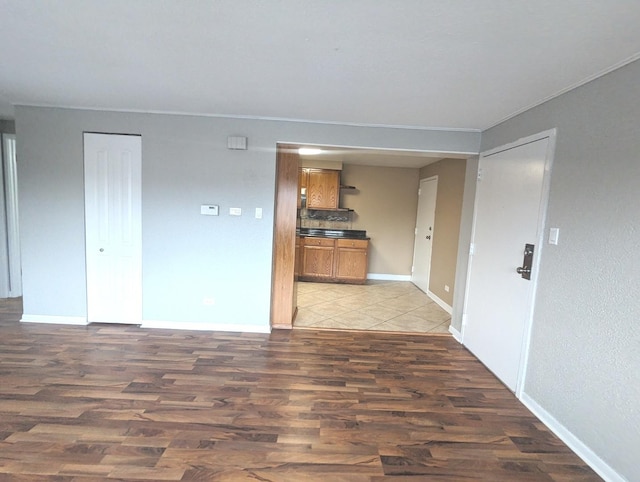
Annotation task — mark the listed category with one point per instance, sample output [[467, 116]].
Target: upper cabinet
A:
[[303, 177], [322, 188]]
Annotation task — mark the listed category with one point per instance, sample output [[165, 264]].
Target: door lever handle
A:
[[527, 262]]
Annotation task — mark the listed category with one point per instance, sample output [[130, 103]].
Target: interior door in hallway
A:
[[424, 233], [510, 205], [113, 165], [13, 264]]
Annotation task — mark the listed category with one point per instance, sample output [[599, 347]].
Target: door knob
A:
[[102, 250], [521, 270], [427, 237]]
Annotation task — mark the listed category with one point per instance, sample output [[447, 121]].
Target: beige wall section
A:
[[446, 229], [385, 204]]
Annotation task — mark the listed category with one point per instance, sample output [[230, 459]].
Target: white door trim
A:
[[544, 201]]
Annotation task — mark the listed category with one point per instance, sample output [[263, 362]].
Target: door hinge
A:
[[415, 231], [480, 174], [412, 269], [419, 191]]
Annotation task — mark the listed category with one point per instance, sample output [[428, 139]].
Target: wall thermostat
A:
[[209, 209]]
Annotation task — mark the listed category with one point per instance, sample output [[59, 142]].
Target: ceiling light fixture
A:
[[309, 151]]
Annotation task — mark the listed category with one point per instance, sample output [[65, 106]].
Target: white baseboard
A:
[[190, 325], [440, 302], [54, 320], [389, 277], [603, 469], [456, 334]]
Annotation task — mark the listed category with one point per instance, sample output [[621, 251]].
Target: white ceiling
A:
[[464, 64]]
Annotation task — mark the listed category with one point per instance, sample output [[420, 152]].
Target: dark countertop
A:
[[332, 233]]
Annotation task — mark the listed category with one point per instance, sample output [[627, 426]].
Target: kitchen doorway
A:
[[382, 220]]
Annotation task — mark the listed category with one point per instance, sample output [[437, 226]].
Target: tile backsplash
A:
[[314, 218]]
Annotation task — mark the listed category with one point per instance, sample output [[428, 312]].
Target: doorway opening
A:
[[381, 200]]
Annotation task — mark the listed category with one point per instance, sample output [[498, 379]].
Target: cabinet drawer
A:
[[353, 243], [310, 241]]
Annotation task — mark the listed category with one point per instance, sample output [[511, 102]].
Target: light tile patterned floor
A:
[[377, 305]]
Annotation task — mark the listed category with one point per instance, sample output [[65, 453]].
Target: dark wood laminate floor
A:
[[115, 402]]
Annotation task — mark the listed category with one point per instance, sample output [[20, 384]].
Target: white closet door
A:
[[113, 220]]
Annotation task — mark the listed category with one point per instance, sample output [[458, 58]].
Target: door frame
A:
[[283, 283], [541, 224], [427, 179]]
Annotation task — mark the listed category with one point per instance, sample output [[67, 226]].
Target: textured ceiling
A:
[[464, 64]]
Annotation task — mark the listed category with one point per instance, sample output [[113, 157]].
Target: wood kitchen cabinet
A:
[[297, 268], [317, 258], [323, 188], [351, 260], [303, 178], [335, 260]]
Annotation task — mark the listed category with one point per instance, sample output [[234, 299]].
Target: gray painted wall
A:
[[186, 256], [585, 350], [7, 126]]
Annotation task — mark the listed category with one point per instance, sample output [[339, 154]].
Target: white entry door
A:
[[509, 213], [112, 170], [424, 233]]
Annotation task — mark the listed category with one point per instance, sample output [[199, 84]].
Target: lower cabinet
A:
[[351, 259], [317, 258], [334, 260], [297, 266]]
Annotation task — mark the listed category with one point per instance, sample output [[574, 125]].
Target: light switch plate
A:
[[235, 211], [258, 213], [554, 233], [237, 143]]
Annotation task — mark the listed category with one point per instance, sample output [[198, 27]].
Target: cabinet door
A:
[[297, 268], [351, 260], [323, 189], [318, 261], [303, 176]]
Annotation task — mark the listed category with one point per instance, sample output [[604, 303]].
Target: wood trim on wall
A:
[[283, 290]]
